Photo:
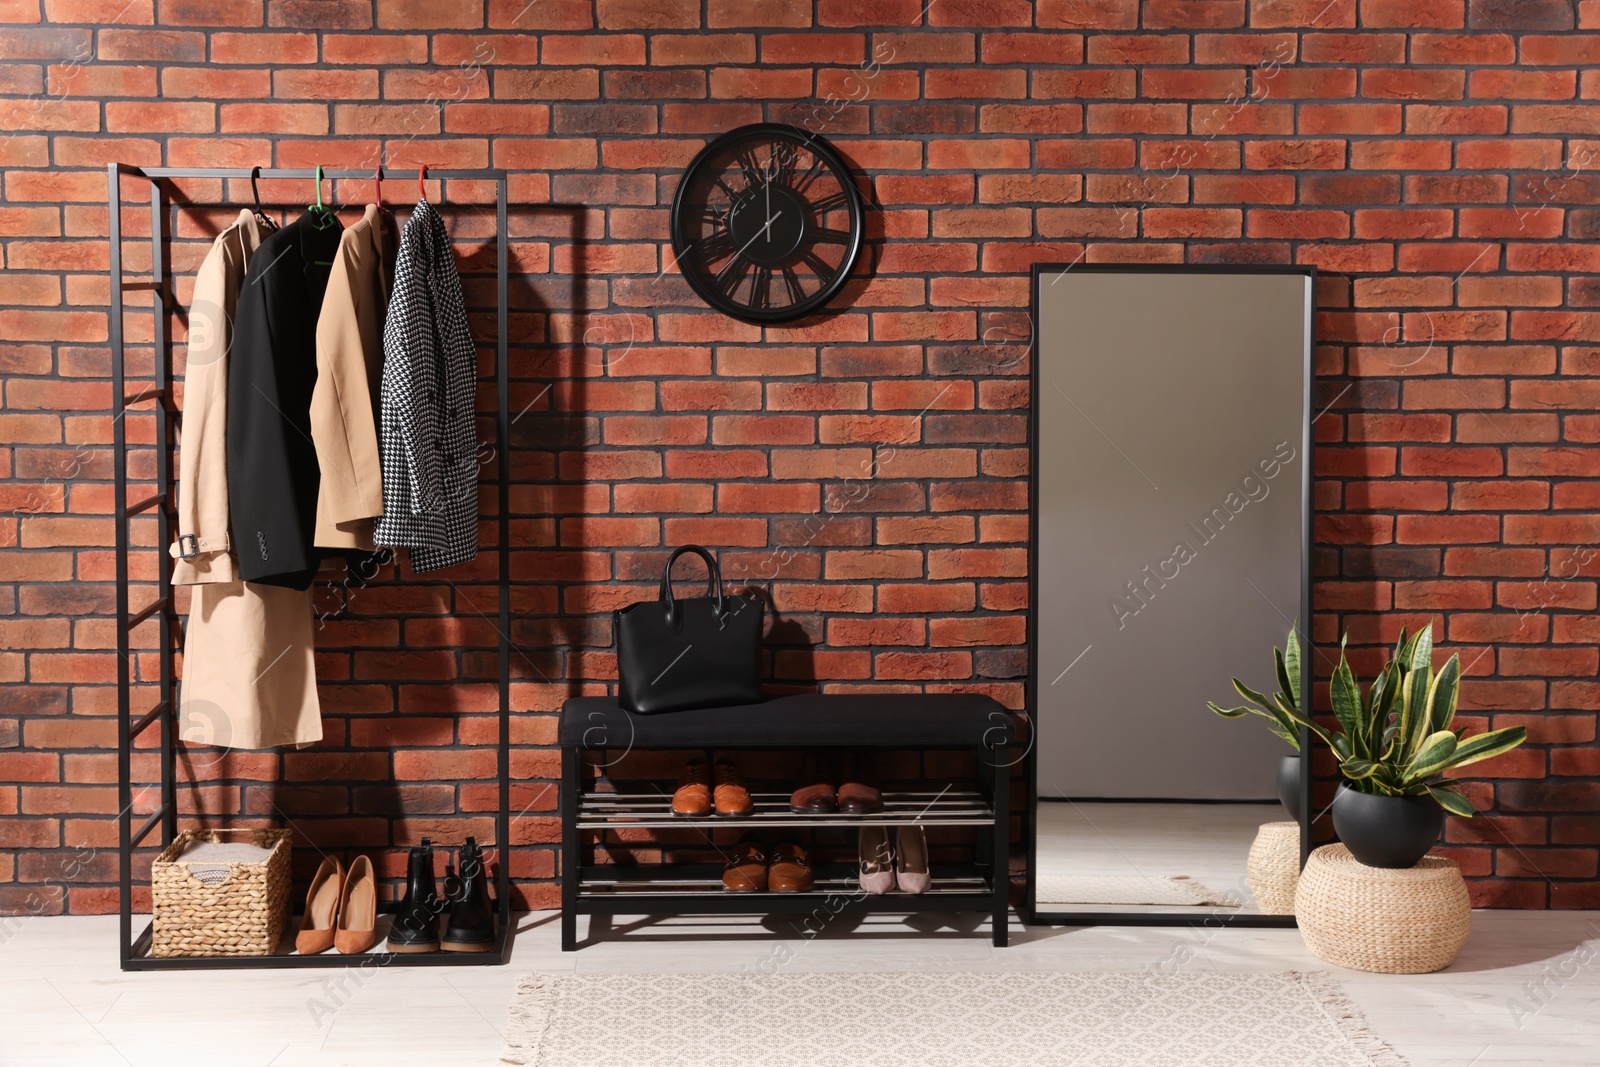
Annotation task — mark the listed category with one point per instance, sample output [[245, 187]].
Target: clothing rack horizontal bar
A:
[[148, 610], [149, 824], [129, 287], [143, 395], [147, 503], [308, 174], [149, 717]]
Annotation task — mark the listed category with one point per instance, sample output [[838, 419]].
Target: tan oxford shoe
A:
[[693, 797], [730, 796]]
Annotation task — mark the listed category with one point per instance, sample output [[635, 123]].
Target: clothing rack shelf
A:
[[162, 610]]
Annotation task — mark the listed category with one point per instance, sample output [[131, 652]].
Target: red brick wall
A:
[[1433, 158]]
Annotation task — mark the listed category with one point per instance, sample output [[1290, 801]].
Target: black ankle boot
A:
[[416, 924], [471, 924]]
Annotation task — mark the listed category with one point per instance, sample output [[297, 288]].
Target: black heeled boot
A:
[[471, 924], [416, 924]]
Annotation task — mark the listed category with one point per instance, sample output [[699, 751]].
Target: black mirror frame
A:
[[1201, 917]]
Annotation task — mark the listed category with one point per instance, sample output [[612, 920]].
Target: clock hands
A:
[[766, 228]]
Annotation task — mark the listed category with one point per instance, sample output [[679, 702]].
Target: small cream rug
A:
[[939, 1019], [1177, 891]]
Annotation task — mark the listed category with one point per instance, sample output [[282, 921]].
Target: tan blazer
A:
[[203, 458], [344, 423]]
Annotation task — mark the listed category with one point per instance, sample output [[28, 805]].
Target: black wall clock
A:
[[767, 224]]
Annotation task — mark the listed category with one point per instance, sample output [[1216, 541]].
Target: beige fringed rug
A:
[[1176, 891], [943, 1019]]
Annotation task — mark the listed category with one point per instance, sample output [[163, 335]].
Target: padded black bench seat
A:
[[802, 720]]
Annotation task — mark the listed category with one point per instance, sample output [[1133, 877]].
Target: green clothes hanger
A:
[[323, 215]]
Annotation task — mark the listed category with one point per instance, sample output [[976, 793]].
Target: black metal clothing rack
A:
[[134, 951]]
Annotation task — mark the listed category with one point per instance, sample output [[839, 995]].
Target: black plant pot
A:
[[1383, 831], [1289, 785]]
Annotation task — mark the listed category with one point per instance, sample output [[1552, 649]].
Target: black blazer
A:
[[272, 367]]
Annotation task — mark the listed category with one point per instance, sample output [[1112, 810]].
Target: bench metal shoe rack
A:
[[596, 734]]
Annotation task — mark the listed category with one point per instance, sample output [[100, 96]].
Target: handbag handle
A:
[[713, 581]]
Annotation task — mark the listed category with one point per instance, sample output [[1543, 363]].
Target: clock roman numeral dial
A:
[[717, 245], [767, 223], [728, 278], [831, 202], [791, 282], [822, 267], [754, 173]]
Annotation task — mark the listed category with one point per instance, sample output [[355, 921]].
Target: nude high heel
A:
[[877, 861], [911, 859]]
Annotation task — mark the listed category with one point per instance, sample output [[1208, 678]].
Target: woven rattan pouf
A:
[[1273, 869], [1408, 921]]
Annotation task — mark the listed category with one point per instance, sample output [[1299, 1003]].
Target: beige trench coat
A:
[[248, 676], [202, 553], [344, 423]]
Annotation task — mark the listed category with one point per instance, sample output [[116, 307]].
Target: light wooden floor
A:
[[1526, 990]]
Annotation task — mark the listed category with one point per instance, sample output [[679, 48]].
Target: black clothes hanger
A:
[[255, 192], [377, 186]]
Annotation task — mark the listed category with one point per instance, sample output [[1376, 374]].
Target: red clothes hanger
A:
[[422, 174]]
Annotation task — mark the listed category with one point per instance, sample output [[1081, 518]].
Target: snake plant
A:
[[1397, 740], [1282, 711]]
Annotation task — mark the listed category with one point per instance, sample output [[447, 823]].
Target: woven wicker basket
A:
[[242, 915], [1408, 921], [1273, 869]]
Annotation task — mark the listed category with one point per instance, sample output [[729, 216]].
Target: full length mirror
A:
[[1170, 552]]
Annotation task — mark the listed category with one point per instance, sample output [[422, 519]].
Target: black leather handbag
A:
[[703, 652]]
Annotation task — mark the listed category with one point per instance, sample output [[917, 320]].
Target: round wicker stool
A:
[[1273, 868], [1409, 921]]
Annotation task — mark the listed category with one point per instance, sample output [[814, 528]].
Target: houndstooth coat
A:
[[428, 437]]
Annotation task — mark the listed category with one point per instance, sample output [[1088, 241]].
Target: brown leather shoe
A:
[[356, 929], [693, 797], [857, 793], [729, 794], [322, 909], [819, 797], [859, 798], [746, 871], [790, 871]]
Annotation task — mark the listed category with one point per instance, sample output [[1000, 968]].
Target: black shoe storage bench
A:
[[596, 731]]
